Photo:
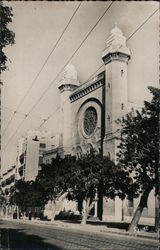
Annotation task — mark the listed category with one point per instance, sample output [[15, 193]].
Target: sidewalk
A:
[[88, 228]]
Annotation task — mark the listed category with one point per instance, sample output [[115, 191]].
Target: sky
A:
[[37, 26]]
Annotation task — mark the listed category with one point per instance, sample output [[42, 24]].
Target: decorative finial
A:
[[116, 30]]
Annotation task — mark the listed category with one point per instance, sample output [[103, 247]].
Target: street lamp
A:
[[35, 139]]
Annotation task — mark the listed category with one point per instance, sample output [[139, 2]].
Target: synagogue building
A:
[[88, 119]]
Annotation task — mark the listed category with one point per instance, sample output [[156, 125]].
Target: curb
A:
[[88, 228]]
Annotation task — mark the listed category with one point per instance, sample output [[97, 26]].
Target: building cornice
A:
[[88, 88], [67, 87], [116, 56]]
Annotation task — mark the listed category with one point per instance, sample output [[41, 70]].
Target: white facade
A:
[[30, 153]]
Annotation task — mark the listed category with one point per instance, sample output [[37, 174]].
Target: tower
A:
[[66, 86], [115, 56]]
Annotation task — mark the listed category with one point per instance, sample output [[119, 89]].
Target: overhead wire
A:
[[139, 27], [69, 61], [11, 118], [46, 90], [45, 120], [92, 76], [13, 112], [42, 67], [8, 123], [75, 52]]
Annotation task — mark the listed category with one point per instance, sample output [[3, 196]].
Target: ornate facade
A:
[[88, 115]]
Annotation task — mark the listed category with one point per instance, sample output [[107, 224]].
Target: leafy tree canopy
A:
[[51, 178], [139, 149], [6, 35], [27, 194]]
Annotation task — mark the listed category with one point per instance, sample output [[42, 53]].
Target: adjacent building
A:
[[8, 178], [30, 153]]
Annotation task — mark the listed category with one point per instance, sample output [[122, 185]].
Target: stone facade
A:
[[88, 115]]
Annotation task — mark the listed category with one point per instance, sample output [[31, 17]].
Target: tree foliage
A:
[[139, 148], [51, 178], [88, 173], [78, 179], [94, 175], [2, 198], [6, 35], [26, 194]]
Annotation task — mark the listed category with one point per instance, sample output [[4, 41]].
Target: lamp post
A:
[[35, 139]]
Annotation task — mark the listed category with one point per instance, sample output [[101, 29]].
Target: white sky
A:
[[38, 25]]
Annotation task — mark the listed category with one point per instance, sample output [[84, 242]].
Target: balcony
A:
[[20, 170], [21, 158], [12, 178]]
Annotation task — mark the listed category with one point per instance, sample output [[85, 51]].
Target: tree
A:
[[88, 176], [82, 180], [6, 38], [26, 194], [6, 35], [138, 151], [2, 198], [51, 182]]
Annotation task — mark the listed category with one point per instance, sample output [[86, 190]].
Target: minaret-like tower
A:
[[66, 86], [115, 56]]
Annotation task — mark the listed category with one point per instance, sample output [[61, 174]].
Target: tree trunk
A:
[[85, 211], [139, 210], [53, 210]]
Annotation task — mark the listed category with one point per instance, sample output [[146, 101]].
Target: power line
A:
[[75, 52], [8, 123], [10, 109], [61, 71], [142, 24], [10, 120], [14, 133], [93, 74], [70, 60], [42, 67], [45, 120]]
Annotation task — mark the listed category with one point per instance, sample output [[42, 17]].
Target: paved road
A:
[[16, 235]]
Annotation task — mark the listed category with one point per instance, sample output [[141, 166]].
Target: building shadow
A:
[[117, 225], [14, 239]]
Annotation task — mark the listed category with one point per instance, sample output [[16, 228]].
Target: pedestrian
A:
[[19, 215], [30, 215]]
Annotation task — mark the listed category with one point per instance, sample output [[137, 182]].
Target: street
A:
[[15, 235]]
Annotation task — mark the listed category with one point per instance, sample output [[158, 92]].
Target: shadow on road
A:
[[118, 225], [17, 239]]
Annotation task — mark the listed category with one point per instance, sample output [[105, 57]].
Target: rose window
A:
[[90, 120]]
